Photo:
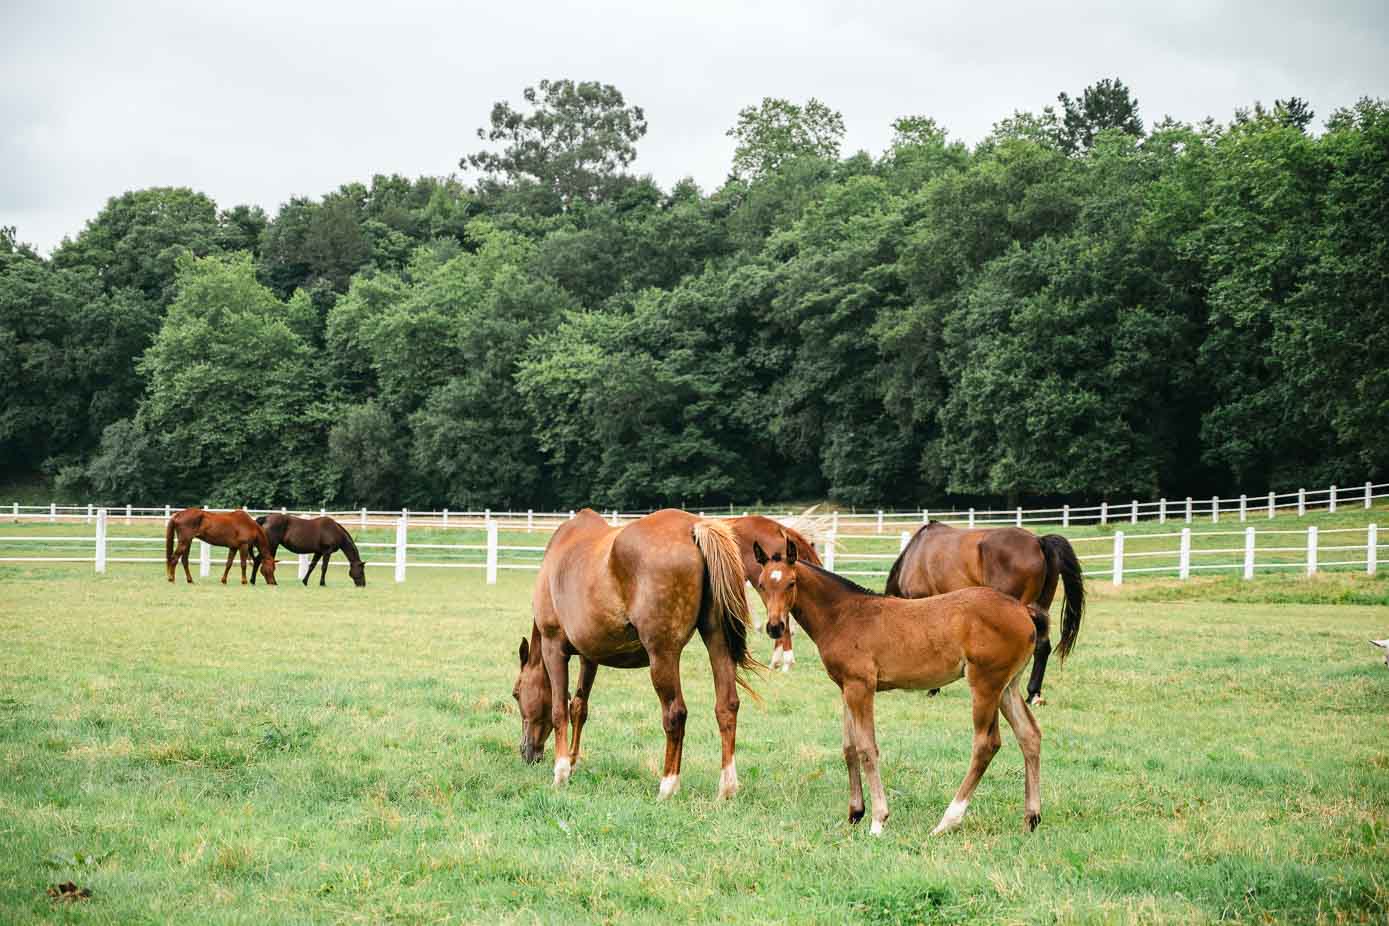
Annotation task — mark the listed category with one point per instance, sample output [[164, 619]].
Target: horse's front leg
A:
[[665, 678], [231, 558], [852, 764], [725, 701], [323, 578], [245, 554], [557, 667], [578, 707], [858, 701], [1029, 737]]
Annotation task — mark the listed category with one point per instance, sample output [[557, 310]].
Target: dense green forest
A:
[[1081, 305]]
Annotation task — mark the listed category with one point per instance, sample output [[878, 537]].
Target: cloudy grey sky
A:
[[254, 101]]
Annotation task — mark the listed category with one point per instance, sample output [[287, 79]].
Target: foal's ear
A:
[[759, 554], [525, 651], [790, 552]]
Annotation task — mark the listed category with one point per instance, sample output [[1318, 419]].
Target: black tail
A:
[[1062, 561], [261, 520]]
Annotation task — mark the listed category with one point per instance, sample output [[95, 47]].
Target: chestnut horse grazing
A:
[[232, 529], [941, 558], [319, 536], [629, 597], [870, 643], [772, 535]]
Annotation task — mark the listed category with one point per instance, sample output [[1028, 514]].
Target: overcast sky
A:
[[256, 102]]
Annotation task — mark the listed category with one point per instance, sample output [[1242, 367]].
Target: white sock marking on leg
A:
[[562, 768], [669, 785], [728, 781], [953, 815]]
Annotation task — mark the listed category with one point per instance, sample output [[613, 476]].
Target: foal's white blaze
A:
[[953, 815], [562, 769], [669, 785], [776, 575], [728, 781]]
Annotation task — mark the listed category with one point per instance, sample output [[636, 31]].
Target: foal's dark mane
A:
[[846, 584]]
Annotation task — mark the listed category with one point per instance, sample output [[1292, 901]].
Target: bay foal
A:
[[870, 643], [629, 597], [771, 535], [232, 529]]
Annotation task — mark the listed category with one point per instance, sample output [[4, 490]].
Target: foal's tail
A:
[[1062, 561], [723, 564]]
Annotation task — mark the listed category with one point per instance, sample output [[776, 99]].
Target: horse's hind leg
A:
[[1041, 651], [725, 699], [1029, 737], [185, 544], [231, 558], [578, 707], [665, 678], [986, 744], [308, 572], [858, 702], [851, 762]]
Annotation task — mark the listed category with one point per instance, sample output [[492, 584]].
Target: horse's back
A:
[[1007, 559]]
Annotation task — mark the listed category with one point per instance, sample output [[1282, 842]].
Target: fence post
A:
[[204, 559], [614, 518], [16, 511], [1118, 557], [364, 519], [1215, 509], [834, 521], [1301, 502], [1162, 511], [1249, 552], [530, 520], [1312, 550], [1243, 506], [1019, 516], [100, 556], [1368, 496], [1104, 513], [52, 512], [446, 517], [571, 514], [166, 513], [284, 509], [322, 512], [926, 514], [1133, 511], [303, 566], [1372, 551], [1065, 515], [128, 509], [89, 513], [400, 540], [971, 517], [907, 538], [829, 548], [491, 552], [1188, 509], [880, 520], [1331, 505], [1270, 506], [1184, 555]]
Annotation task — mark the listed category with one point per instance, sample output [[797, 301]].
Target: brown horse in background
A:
[[941, 559], [232, 529], [754, 529], [870, 643], [319, 536], [629, 597]]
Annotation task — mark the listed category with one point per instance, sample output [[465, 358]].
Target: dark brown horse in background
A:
[[232, 529], [941, 559], [629, 597], [772, 535], [870, 643], [319, 536]]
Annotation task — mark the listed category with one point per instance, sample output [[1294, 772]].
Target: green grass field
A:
[[1214, 750]]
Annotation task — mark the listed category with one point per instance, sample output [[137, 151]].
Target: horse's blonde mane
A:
[[813, 527]]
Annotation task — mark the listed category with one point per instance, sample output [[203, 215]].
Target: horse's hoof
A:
[[563, 768], [1036, 700], [933, 692], [1031, 820], [855, 814], [877, 828], [669, 785]]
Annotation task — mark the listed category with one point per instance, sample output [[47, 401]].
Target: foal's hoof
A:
[[1037, 700], [1031, 820], [855, 814]]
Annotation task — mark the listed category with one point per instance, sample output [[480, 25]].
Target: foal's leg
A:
[[665, 678], [725, 700], [578, 707], [851, 761], [323, 580], [987, 741], [1029, 737], [308, 572], [557, 666], [858, 701]]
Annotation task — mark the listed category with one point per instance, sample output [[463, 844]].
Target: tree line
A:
[[1078, 306]]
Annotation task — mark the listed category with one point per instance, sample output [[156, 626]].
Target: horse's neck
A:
[[349, 548], [820, 602]]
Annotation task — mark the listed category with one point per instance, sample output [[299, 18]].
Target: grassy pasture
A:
[[1215, 750]]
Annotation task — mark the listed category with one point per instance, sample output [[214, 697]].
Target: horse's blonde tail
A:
[[723, 563]]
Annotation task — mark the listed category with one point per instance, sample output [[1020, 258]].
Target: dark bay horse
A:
[[319, 536], [772, 535], [941, 559], [629, 597], [870, 643], [232, 529]]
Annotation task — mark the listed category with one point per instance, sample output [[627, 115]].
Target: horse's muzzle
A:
[[775, 630], [531, 754]]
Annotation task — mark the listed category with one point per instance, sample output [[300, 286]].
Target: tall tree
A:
[[1107, 104], [776, 131], [575, 139]]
